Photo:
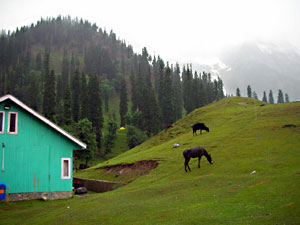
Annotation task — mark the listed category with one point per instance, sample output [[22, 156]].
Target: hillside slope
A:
[[244, 137]]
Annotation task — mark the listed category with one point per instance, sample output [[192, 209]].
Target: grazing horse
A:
[[199, 126], [193, 153]]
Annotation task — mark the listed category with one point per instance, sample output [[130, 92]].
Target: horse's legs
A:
[[186, 164], [199, 158]]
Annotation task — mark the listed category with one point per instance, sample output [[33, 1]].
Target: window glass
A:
[[65, 168], [12, 124]]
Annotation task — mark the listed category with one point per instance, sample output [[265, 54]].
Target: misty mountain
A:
[[263, 66]]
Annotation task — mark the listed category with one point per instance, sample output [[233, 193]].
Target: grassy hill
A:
[[244, 137]]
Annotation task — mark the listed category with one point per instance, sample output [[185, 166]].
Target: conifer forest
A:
[[72, 72]]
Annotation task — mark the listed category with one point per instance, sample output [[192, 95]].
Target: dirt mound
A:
[[140, 168]]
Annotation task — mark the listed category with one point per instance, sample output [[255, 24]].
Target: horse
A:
[[199, 126], [168, 126], [193, 153]]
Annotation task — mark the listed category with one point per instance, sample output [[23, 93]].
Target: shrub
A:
[[135, 136]]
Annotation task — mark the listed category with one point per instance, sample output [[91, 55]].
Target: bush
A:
[[135, 136]]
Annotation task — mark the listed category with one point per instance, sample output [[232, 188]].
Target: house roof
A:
[[42, 118]]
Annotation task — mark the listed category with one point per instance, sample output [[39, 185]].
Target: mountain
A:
[[79, 54], [263, 66]]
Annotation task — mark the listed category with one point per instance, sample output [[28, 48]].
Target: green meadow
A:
[[255, 178]]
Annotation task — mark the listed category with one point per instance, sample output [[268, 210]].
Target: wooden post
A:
[[7, 193]]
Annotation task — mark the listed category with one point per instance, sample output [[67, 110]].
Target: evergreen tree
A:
[[65, 69], [95, 103], [271, 98], [67, 117], [220, 89], [84, 98], [134, 94], [109, 139], [106, 90], [49, 97], [280, 98], [265, 97], [187, 89], [123, 102], [76, 95], [154, 115], [38, 62], [255, 95], [49, 101], [249, 92], [287, 99], [196, 91], [203, 95], [178, 101], [167, 109], [32, 93], [238, 92]]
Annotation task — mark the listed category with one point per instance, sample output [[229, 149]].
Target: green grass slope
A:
[[244, 137]]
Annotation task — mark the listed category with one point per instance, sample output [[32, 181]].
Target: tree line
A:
[[281, 98]]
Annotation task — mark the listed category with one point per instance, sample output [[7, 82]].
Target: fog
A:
[[185, 31]]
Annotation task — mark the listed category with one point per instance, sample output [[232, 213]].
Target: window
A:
[[65, 168], [1, 122], [12, 123]]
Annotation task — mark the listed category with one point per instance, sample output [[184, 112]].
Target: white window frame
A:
[[62, 168], [3, 121], [16, 125]]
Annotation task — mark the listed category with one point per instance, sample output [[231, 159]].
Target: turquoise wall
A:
[[33, 156]]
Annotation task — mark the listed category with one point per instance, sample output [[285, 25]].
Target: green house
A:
[[36, 155]]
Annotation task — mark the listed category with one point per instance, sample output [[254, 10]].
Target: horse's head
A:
[[209, 159]]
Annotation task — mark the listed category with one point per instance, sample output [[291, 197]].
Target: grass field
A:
[[244, 137]]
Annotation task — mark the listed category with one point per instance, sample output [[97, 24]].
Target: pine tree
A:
[[76, 95], [155, 114], [249, 92], [280, 98], [196, 91], [32, 92], [220, 88], [49, 101], [65, 69], [84, 98], [134, 96], [168, 115], [287, 99], [203, 95], [271, 98], [95, 103], [265, 97], [187, 89], [238, 92], [255, 95], [67, 117], [123, 102], [178, 101], [38, 62]]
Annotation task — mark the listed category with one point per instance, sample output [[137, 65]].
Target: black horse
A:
[[199, 126], [193, 153]]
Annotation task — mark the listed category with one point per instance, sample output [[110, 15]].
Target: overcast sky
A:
[[184, 31]]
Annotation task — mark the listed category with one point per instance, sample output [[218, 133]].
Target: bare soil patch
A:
[[140, 168]]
